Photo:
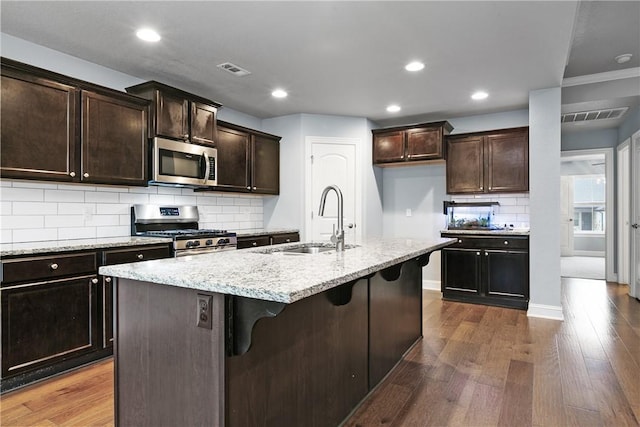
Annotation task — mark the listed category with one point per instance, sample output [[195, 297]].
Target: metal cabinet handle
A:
[[53, 266], [255, 188], [72, 174], [486, 254], [288, 240], [254, 243], [478, 253], [506, 242], [107, 279], [86, 175], [185, 136], [248, 188], [140, 256], [459, 240], [482, 187], [94, 280]]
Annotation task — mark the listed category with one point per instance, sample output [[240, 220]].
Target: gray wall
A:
[[589, 243], [630, 125], [588, 140]]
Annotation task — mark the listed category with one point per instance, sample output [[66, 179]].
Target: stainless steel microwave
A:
[[177, 162]]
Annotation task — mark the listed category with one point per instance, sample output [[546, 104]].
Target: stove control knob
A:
[[223, 241], [190, 244], [209, 242], [196, 243]]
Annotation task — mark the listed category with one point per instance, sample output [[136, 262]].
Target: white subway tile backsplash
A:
[[34, 235], [32, 208], [77, 233], [76, 208], [63, 196], [35, 211], [101, 197], [132, 198], [162, 199], [185, 200], [22, 194], [6, 236], [115, 231], [57, 221], [22, 221], [6, 208]]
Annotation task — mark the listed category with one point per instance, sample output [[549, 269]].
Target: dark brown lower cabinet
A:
[[305, 367], [487, 270], [267, 239], [395, 316]]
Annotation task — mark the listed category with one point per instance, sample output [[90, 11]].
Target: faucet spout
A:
[[338, 235]]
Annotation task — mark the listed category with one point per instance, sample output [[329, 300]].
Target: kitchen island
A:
[[264, 336]]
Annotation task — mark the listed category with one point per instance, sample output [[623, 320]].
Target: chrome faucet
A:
[[338, 236]]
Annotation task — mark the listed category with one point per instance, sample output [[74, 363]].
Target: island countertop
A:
[[272, 275]]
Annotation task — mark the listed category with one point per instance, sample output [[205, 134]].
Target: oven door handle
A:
[[207, 167]]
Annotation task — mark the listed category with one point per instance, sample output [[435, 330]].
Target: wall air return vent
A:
[[586, 116], [234, 69]]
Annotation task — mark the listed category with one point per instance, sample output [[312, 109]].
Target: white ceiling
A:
[[342, 58]]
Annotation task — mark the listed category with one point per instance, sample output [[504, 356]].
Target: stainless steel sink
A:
[[308, 250]]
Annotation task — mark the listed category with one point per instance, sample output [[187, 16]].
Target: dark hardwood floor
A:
[[476, 366]]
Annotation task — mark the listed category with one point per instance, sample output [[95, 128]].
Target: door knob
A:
[[351, 225], [635, 225]]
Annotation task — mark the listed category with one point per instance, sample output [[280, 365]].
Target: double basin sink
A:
[[305, 248]]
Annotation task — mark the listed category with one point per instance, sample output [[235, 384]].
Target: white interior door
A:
[[624, 213], [634, 283], [566, 216], [332, 161]]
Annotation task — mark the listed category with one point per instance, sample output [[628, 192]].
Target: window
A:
[[589, 204]]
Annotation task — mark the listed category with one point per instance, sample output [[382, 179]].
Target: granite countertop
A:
[[262, 232], [32, 248], [269, 274], [512, 232]]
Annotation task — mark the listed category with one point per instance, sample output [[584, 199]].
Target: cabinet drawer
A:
[[145, 253], [47, 267], [253, 242], [496, 242], [285, 238]]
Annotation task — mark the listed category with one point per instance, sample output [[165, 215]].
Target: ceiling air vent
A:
[[234, 69], [586, 116]]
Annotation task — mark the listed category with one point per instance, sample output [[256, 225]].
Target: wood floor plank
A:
[[576, 384], [612, 403], [484, 409], [517, 403]]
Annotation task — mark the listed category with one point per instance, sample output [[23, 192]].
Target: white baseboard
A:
[[597, 254], [432, 285], [553, 312]]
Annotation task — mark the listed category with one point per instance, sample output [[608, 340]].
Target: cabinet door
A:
[[506, 273], [47, 322], [508, 161], [203, 123], [172, 116], [107, 312], [461, 270], [233, 159], [266, 165], [424, 144], [465, 165], [38, 128], [388, 147], [114, 140]]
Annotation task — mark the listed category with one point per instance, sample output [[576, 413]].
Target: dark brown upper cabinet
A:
[[113, 154], [248, 160], [416, 143], [488, 162], [38, 126], [58, 128], [177, 114]]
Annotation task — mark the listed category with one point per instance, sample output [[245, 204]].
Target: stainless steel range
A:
[[180, 223]]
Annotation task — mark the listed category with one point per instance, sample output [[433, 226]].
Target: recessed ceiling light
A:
[[625, 57], [148, 35], [414, 66], [393, 108], [279, 93], [480, 95]]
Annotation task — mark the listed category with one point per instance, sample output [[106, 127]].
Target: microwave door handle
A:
[[207, 167]]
